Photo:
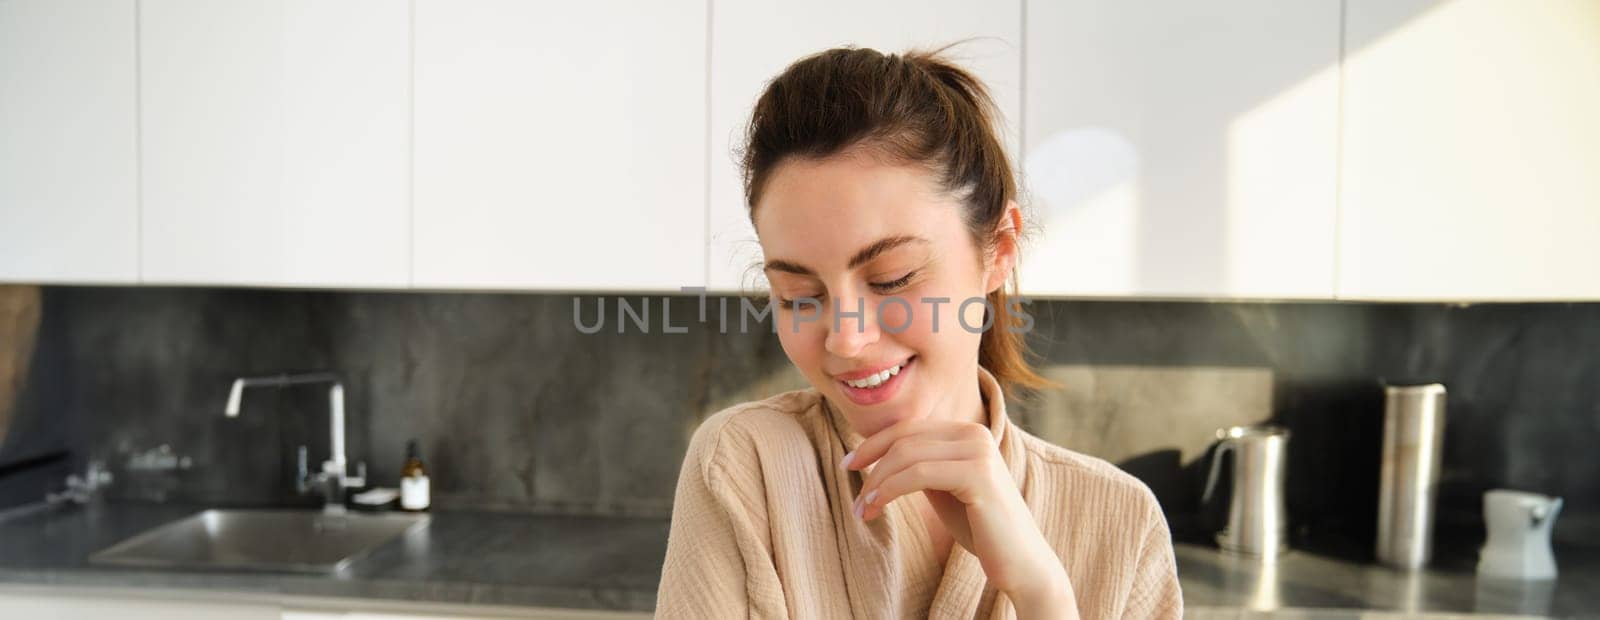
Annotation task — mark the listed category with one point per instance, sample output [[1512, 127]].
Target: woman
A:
[[896, 486]]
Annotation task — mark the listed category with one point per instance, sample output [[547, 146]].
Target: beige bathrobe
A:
[[762, 528]]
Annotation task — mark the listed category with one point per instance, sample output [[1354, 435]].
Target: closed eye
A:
[[789, 304], [884, 287]]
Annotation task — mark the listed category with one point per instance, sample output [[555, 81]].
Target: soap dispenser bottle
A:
[[414, 491]]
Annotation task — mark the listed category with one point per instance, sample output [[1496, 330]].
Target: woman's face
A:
[[851, 232]]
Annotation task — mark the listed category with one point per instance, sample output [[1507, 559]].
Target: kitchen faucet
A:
[[334, 477]]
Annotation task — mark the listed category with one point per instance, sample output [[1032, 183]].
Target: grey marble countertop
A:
[[611, 563], [614, 563], [1307, 581]]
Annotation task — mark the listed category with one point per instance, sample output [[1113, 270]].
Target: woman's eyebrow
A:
[[861, 256], [882, 245]]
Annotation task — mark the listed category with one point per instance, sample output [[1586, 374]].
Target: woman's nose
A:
[[852, 325]]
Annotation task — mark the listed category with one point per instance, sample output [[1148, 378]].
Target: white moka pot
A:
[[1518, 546]]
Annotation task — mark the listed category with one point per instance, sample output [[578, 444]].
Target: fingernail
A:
[[858, 510], [870, 497], [846, 462]]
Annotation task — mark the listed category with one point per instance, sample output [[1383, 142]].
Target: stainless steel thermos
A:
[[1413, 431]]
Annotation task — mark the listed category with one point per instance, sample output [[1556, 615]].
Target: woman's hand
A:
[[958, 466]]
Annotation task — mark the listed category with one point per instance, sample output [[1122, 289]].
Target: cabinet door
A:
[[84, 604], [502, 612], [560, 146], [275, 142], [752, 42], [68, 154], [1182, 149], [1471, 150]]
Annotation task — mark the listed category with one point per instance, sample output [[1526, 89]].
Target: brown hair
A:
[[914, 108]]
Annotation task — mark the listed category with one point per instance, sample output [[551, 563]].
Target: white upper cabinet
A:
[[1232, 149], [1471, 164], [752, 42], [275, 144], [560, 146], [1177, 149], [68, 142]]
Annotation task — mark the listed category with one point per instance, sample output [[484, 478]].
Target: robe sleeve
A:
[[1155, 592], [719, 560]]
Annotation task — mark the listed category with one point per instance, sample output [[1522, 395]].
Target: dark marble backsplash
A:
[[515, 409], [1523, 409], [512, 407]]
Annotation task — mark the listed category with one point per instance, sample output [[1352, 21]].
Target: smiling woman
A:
[[896, 485]]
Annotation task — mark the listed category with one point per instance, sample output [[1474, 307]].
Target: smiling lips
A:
[[867, 387]]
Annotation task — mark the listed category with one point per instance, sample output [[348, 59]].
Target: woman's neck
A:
[[970, 405]]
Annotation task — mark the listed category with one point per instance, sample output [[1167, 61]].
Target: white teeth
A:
[[874, 380]]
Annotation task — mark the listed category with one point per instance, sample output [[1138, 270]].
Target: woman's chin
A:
[[870, 422]]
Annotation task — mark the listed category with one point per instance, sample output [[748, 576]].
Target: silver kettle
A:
[[1257, 519]]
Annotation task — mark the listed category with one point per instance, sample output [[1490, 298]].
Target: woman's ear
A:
[[1007, 248]]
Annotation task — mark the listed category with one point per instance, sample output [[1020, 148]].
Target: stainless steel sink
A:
[[267, 540]]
